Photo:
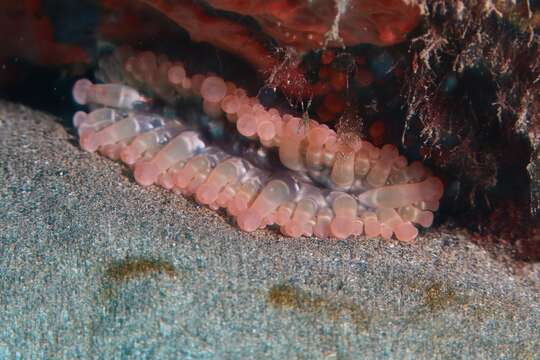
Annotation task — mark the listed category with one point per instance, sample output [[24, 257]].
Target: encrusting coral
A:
[[324, 186]]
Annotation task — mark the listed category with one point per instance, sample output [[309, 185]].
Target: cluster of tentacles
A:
[[205, 137]]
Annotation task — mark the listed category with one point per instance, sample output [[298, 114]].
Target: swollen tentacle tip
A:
[[266, 130], [284, 213], [166, 181], [89, 142], [358, 227], [183, 177], [186, 177], [433, 189], [406, 232], [247, 125], [146, 173], [230, 104], [129, 156], [213, 89], [372, 228], [79, 117], [345, 209], [425, 219], [240, 203], [176, 74], [303, 215], [386, 232], [223, 174], [80, 90], [342, 227], [249, 220], [292, 229], [206, 194], [225, 196]]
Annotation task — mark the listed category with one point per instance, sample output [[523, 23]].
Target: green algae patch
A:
[[131, 268], [123, 271], [286, 296]]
